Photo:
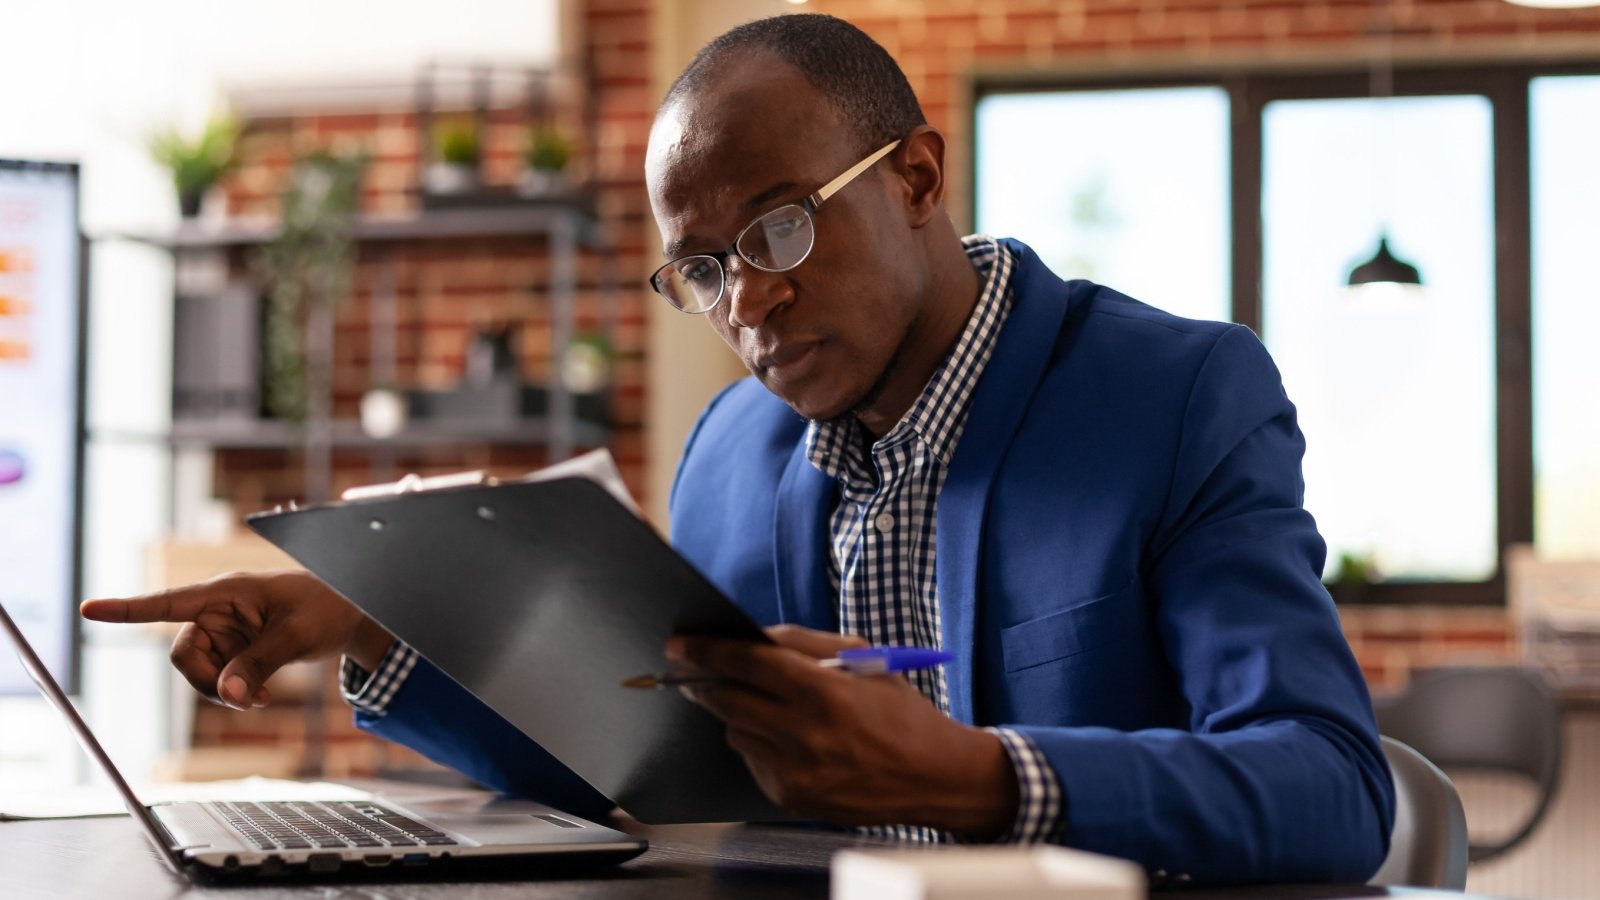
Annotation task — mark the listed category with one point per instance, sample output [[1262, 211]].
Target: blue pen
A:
[[855, 660]]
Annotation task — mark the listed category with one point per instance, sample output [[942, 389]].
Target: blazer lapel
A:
[[997, 408], [800, 545]]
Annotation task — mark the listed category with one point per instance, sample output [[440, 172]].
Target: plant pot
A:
[[450, 178], [541, 182], [190, 201]]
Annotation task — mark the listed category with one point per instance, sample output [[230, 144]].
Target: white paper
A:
[[599, 467]]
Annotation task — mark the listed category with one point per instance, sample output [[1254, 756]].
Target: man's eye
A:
[[696, 270], [783, 228]]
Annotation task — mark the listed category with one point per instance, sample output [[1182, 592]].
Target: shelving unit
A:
[[217, 344]]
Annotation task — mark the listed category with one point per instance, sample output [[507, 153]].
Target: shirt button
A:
[[884, 522]]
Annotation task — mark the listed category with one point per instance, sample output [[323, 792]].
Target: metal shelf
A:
[[527, 216], [563, 224], [272, 434]]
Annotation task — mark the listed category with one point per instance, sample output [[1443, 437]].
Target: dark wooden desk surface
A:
[[110, 858]]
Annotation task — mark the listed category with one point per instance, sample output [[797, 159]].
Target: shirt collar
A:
[[938, 416]]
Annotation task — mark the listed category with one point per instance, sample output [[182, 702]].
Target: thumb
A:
[[241, 681], [819, 644]]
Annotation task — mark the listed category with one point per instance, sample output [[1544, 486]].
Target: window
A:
[[1565, 126], [1395, 387], [1091, 180]]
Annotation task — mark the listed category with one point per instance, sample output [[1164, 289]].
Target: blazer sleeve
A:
[[1280, 776], [437, 717]]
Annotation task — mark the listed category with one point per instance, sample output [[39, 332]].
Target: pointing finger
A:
[[180, 604]]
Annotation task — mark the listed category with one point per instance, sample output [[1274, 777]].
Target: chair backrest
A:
[[1490, 718], [1428, 847]]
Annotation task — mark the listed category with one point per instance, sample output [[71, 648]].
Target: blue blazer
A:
[[1126, 575]]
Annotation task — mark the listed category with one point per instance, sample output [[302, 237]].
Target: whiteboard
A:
[[41, 413]]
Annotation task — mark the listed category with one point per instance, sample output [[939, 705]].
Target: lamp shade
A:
[[1384, 267]]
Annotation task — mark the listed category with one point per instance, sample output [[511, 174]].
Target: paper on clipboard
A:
[[597, 465]]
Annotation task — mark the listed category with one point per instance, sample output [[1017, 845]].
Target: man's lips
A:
[[789, 361]]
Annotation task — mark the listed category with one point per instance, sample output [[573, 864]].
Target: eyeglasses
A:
[[776, 241]]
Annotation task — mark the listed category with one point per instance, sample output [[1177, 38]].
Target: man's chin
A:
[[818, 405]]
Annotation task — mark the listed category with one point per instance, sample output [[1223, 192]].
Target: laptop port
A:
[[414, 859], [377, 860], [323, 862]]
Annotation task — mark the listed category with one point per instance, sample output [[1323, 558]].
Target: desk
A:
[[109, 857]]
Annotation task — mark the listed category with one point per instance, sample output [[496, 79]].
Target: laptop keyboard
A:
[[315, 826]]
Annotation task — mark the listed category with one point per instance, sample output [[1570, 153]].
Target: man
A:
[[1094, 505]]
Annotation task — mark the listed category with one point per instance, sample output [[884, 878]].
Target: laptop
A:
[[326, 841]]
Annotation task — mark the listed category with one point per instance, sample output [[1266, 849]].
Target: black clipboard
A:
[[540, 597]]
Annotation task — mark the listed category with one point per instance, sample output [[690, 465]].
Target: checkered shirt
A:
[[882, 559], [884, 529]]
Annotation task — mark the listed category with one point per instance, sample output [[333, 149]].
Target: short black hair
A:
[[855, 73]]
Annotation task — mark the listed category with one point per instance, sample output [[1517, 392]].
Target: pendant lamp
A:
[[1384, 267]]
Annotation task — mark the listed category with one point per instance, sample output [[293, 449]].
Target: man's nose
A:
[[754, 295]]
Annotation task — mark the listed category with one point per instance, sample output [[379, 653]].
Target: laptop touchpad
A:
[[507, 828]]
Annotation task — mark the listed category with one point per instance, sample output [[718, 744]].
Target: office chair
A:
[[1428, 847], [1491, 719]]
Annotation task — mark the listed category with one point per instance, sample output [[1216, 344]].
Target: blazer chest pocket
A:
[[1102, 621]]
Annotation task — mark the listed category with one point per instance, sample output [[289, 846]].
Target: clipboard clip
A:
[[416, 484]]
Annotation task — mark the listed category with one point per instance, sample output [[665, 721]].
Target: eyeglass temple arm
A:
[[832, 187]]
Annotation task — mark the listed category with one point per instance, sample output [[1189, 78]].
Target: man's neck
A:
[[954, 288]]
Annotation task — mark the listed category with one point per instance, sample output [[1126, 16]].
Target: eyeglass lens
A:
[[693, 284], [776, 242]]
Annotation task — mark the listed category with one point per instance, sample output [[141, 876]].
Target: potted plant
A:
[[455, 168], [305, 270], [1357, 574], [196, 164], [545, 161]]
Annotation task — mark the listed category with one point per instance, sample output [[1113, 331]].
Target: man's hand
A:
[[239, 629], [849, 749]]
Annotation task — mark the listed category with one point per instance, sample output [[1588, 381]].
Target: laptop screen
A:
[[80, 729]]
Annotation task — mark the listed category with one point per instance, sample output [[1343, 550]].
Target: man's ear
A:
[[921, 169]]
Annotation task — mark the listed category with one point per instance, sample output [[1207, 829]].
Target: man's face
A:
[[823, 335]]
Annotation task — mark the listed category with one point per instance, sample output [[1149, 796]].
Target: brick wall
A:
[[446, 290]]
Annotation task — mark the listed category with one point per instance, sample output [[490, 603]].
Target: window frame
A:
[[1507, 88]]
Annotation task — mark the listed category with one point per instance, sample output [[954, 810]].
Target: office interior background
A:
[[486, 308]]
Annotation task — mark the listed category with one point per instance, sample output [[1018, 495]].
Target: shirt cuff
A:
[[1040, 810], [370, 692]]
